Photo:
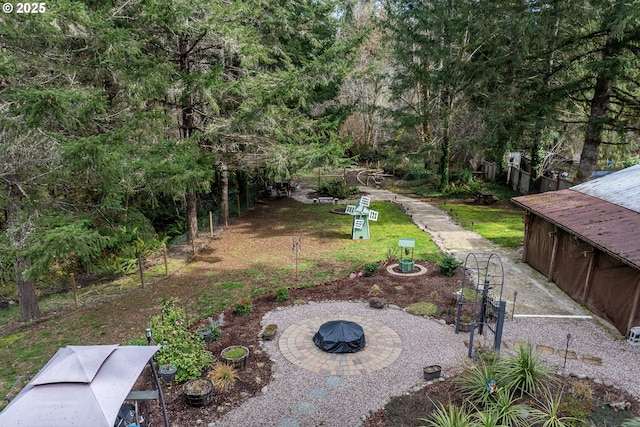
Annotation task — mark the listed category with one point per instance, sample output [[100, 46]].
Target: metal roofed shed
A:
[[621, 188], [586, 240]]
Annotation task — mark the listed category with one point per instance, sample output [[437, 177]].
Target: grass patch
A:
[[423, 309], [232, 285], [253, 272], [501, 226]]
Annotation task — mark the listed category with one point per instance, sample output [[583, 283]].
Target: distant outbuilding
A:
[[586, 239]]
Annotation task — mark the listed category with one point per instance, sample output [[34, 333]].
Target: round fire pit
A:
[[340, 336]]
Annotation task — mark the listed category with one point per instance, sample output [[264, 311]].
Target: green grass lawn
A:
[[501, 226]]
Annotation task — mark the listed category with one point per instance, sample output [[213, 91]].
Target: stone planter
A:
[[432, 372], [198, 392], [406, 265], [377, 302], [269, 332], [235, 355], [464, 327]]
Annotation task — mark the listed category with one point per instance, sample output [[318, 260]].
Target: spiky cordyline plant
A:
[[546, 415], [523, 371], [449, 416], [507, 409], [473, 383]]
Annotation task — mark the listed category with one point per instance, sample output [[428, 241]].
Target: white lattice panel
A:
[[373, 215], [365, 201], [350, 209], [358, 224]]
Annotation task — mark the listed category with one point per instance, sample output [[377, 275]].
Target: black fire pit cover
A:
[[339, 336]]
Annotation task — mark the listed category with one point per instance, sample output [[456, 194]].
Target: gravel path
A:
[[299, 398]]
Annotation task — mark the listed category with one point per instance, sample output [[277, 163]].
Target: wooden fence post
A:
[[141, 271], [238, 202], [210, 224], [75, 289], [166, 262]]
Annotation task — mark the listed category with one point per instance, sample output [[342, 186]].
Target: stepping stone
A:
[[317, 393], [333, 381], [571, 355], [592, 360], [288, 422], [305, 409], [545, 349]]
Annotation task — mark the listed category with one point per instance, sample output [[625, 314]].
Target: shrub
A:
[[282, 294], [370, 268], [506, 409], [473, 383], [548, 413], [223, 376], [337, 188], [575, 407], [449, 416], [375, 290], [180, 347], [243, 306], [523, 371], [582, 391], [422, 309], [449, 264]]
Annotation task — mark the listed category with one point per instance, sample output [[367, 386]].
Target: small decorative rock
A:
[[582, 377], [608, 383], [597, 381], [393, 306]]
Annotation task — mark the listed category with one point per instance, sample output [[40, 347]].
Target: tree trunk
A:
[[597, 116], [27, 298], [187, 130], [446, 141], [224, 182], [192, 214]]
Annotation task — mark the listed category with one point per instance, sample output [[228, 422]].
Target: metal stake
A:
[[566, 350], [513, 309], [296, 248]]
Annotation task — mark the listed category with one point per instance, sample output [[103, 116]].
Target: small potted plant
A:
[[269, 332], [235, 355], [204, 332], [210, 332], [168, 372], [465, 324], [432, 372]]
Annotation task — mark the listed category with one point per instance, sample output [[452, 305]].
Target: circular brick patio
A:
[[382, 348]]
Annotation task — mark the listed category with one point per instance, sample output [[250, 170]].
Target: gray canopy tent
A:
[[80, 386]]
